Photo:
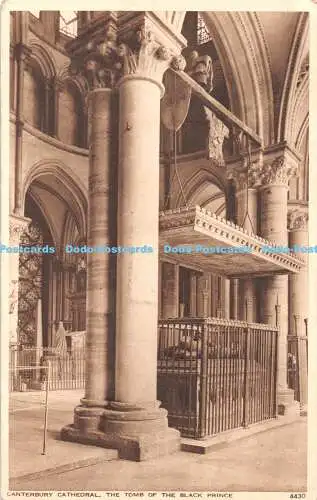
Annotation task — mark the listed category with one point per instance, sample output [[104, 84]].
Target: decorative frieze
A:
[[297, 220]]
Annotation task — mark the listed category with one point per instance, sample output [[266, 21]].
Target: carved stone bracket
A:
[[201, 70], [22, 53], [217, 133], [17, 226], [246, 176], [297, 220]]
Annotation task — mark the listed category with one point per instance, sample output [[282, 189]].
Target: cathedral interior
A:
[[168, 129]]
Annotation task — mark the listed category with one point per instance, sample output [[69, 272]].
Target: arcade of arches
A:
[[115, 116]]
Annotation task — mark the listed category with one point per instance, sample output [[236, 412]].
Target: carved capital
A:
[[297, 219], [201, 70], [216, 135], [17, 226], [246, 176], [279, 171], [95, 58], [146, 58], [22, 52], [125, 44]]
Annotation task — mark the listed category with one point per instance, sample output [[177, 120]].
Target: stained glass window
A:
[[203, 35], [68, 21]]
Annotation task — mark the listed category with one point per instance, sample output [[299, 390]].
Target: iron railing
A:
[[297, 363], [215, 375], [67, 370]]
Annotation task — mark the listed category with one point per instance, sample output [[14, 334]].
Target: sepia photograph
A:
[[155, 252]]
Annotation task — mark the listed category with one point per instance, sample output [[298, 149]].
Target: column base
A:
[[286, 404], [137, 434]]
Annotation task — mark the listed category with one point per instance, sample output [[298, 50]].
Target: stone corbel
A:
[[297, 220], [17, 226], [200, 69], [216, 135]]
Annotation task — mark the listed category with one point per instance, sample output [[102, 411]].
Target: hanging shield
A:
[[175, 102]]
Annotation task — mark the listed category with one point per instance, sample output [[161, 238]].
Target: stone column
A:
[[100, 319], [298, 283], [135, 415], [298, 304], [246, 216], [133, 422], [170, 299], [227, 298], [193, 295], [234, 285], [274, 177], [22, 57]]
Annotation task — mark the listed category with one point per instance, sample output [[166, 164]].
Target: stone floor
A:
[[274, 460]]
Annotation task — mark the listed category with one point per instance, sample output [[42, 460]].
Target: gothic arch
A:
[[295, 91], [44, 60], [198, 182], [244, 56], [76, 193]]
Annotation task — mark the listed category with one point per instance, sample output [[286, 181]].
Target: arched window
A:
[[68, 21], [34, 97], [70, 116]]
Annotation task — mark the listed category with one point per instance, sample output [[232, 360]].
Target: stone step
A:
[[60, 457], [211, 443]]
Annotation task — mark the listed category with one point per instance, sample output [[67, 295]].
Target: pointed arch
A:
[[44, 59], [75, 193], [293, 85]]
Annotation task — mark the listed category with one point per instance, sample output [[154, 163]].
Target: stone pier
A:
[[124, 413], [275, 174]]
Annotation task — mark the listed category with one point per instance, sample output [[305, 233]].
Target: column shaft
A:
[[138, 210], [170, 274], [100, 266], [275, 288], [298, 286], [247, 207], [234, 284]]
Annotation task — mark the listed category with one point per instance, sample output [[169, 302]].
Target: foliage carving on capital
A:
[[297, 219], [16, 229], [247, 177], [97, 61], [277, 172], [142, 55]]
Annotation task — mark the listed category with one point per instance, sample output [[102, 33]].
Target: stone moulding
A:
[[193, 220]]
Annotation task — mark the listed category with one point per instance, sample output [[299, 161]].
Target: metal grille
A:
[[66, 371], [203, 35], [215, 375], [297, 364]]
